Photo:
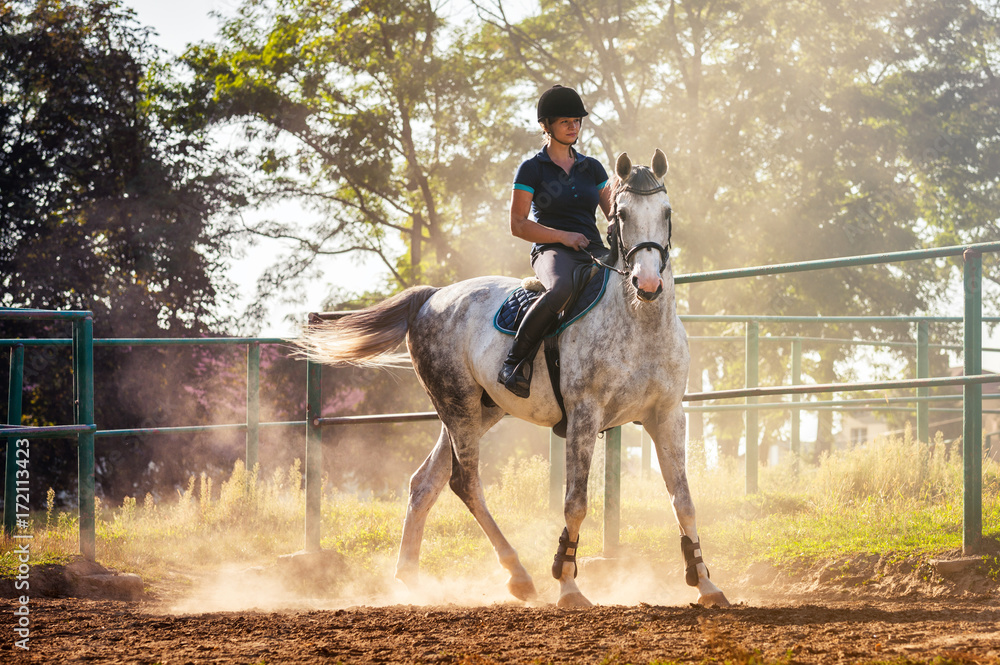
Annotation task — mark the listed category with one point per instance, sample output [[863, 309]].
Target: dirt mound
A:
[[79, 579], [947, 575]]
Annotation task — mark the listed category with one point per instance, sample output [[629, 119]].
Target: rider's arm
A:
[[527, 229], [605, 201]]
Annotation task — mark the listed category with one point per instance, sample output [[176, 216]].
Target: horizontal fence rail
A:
[[842, 387], [150, 341], [844, 262]]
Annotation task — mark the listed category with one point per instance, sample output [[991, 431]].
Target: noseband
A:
[[618, 245]]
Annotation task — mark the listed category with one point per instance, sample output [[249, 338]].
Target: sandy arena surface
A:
[[76, 631], [818, 617]]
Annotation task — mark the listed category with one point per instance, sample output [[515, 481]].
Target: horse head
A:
[[641, 215]]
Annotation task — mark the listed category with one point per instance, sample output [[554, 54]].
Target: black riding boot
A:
[[516, 371]]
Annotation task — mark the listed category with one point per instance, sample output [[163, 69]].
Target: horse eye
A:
[[622, 214], [666, 213]]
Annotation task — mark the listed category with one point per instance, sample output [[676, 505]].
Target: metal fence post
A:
[[14, 397], [557, 472], [972, 420], [612, 489], [83, 394], [923, 372], [752, 434], [796, 444], [253, 405], [314, 454]]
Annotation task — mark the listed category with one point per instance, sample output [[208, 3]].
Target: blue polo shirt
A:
[[564, 201]]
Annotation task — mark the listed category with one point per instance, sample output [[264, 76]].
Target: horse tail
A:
[[368, 337]]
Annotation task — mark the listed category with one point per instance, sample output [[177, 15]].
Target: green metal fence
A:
[[752, 339], [972, 321], [85, 429]]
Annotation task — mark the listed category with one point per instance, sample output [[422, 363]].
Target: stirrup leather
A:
[[561, 557], [692, 557]]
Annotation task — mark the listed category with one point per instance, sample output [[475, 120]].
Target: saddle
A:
[[589, 284]]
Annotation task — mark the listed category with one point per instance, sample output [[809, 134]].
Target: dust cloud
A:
[[604, 581]]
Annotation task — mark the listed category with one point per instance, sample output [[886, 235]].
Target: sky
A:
[[180, 22]]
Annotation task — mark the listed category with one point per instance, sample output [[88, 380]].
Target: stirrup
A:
[[689, 547], [561, 557], [510, 376]]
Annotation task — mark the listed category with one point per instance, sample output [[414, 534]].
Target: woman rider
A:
[[553, 205]]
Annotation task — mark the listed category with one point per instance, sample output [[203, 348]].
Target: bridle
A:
[[618, 247]]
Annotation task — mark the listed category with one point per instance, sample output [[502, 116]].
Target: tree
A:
[[372, 115], [104, 205]]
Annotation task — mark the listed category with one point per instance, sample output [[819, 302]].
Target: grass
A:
[[895, 496], [892, 496]]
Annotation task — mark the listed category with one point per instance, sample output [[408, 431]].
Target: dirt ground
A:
[[863, 610]]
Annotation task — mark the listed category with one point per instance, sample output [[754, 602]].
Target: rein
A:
[[618, 245], [605, 265]]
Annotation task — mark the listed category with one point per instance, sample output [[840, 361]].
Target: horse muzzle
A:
[[643, 294]]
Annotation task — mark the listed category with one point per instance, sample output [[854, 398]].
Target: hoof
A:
[[522, 589], [575, 599], [409, 577], [714, 600]]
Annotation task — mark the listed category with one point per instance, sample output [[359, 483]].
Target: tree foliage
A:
[[105, 205], [795, 131], [374, 115]]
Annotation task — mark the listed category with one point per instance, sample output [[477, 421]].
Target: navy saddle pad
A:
[[512, 311]]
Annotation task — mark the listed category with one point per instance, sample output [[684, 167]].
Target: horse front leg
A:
[[668, 435], [581, 435]]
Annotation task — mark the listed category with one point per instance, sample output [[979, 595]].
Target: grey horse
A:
[[625, 361]]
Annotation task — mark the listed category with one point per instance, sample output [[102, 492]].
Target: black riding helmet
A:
[[560, 102]]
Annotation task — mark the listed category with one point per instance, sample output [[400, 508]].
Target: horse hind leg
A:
[[668, 436], [442, 370], [425, 488], [466, 484]]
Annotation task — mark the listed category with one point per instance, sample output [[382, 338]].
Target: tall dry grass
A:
[[892, 495]]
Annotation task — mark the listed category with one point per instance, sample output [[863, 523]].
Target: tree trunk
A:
[[416, 246]]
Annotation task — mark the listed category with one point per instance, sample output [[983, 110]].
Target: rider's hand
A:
[[576, 241]]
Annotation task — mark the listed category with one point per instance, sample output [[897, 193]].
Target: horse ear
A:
[[659, 164], [623, 166]]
